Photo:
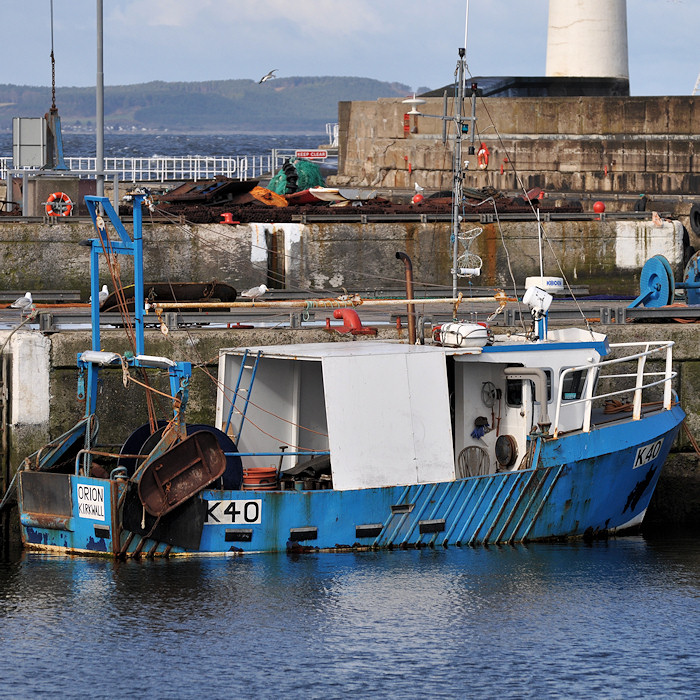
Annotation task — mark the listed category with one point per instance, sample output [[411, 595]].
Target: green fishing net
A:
[[296, 175]]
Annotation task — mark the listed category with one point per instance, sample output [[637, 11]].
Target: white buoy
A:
[[587, 39]]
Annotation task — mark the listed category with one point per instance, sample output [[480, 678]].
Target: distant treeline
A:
[[283, 104]]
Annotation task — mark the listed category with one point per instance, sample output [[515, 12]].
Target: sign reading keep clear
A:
[[91, 501]]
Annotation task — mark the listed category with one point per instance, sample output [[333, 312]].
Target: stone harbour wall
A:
[[566, 144], [605, 256]]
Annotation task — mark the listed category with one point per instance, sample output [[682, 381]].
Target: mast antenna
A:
[[53, 68], [466, 26]]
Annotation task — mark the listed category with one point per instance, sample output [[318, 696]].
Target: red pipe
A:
[[351, 321]]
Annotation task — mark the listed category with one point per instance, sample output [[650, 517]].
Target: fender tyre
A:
[[695, 218]]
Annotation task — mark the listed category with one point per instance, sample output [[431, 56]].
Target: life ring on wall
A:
[[482, 157], [59, 204]]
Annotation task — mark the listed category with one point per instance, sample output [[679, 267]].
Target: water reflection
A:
[[572, 619]]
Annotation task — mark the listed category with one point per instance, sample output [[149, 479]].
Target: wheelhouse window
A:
[[572, 386], [514, 390]]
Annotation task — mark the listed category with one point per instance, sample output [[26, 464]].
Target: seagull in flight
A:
[[22, 303], [254, 292], [268, 76]]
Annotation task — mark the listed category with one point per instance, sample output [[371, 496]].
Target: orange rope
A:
[[114, 271], [691, 438]]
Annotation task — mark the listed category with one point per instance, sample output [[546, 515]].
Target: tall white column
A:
[[587, 39]]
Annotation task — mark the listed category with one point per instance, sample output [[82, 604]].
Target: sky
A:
[[413, 42]]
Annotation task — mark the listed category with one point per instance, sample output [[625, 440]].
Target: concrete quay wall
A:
[[44, 404], [606, 256], [566, 144]]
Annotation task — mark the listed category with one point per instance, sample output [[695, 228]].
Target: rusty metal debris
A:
[[181, 472]]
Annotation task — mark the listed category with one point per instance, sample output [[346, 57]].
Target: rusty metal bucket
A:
[[181, 472]]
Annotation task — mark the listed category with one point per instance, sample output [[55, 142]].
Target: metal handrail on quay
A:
[[170, 168]]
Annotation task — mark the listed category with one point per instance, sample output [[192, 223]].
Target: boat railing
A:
[[643, 380]]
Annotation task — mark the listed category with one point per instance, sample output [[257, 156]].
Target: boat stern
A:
[[68, 514]]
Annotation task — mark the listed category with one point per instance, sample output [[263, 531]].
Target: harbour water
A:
[[146, 145], [613, 619]]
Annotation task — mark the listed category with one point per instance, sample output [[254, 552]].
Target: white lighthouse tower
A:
[[587, 39]]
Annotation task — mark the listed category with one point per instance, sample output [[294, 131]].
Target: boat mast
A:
[[457, 169], [461, 123], [100, 109]]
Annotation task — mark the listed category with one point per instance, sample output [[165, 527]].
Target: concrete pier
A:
[[628, 145], [605, 255]]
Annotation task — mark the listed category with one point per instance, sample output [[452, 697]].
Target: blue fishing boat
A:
[[471, 438]]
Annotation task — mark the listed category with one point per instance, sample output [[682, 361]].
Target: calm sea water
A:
[[619, 619], [148, 145]]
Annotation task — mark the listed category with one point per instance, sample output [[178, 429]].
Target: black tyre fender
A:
[[695, 218]]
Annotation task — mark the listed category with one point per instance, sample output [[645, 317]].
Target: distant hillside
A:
[[283, 105]]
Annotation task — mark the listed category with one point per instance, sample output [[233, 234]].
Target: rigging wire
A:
[[201, 363], [541, 231], [114, 268]]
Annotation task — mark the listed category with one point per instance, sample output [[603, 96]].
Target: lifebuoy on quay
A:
[[59, 204], [482, 157]]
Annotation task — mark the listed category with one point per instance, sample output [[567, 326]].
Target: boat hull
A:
[[585, 484]]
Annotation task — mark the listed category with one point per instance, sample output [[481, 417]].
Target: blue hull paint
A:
[[69, 531], [584, 483]]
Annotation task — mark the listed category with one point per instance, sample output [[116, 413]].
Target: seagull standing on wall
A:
[[102, 296], [254, 292], [268, 76], [22, 303]]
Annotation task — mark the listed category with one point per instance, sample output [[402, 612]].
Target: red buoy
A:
[[417, 198], [599, 207]]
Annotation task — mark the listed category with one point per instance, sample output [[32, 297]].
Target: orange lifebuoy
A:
[[59, 204], [482, 157]]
